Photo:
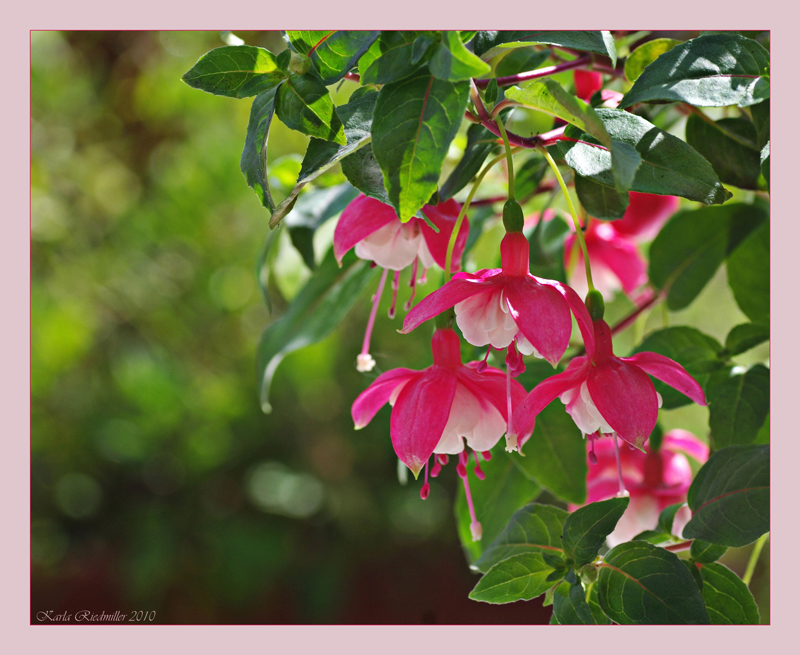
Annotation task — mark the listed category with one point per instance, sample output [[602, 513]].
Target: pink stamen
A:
[[436, 469], [424, 277], [622, 492], [478, 471], [461, 469], [425, 491], [592, 456], [508, 397], [486, 455], [443, 459], [395, 288], [474, 527], [485, 362], [364, 360], [413, 284]]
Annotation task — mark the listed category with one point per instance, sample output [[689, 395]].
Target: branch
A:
[[539, 72]]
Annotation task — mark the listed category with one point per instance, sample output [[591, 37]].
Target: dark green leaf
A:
[[570, 606], [236, 71], [738, 407], [490, 94], [451, 61], [488, 44], [706, 553], [727, 598], [547, 249], [730, 145], [557, 458], [760, 115], [765, 163], [533, 529], [254, 156], [423, 48], [586, 529], [600, 201], [746, 336], [600, 617], [339, 52], [316, 311], [655, 537], [480, 144], [625, 161], [695, 572], [645, 55], [640, 583], [389, 59], [505, 489], [748, 274], [709, 71], [521, 60], [668, 167], [528, 176], [667, 517], [305, 41], [521, 577], [414, 122], [363, 172], [304, 104], [695, 351], [729, 497]]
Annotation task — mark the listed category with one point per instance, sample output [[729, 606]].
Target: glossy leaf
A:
[[333, 57], [480, 144], [236, 71], [730, 145], [706, 553], [316, 311], [305, 41], [655, 537], [625, 161], [666, 518], [547, 249], [586, 529], [748, 274], [570, 606], [668, 165], [488, 44], [590, 594], [520, 61], [764, 158], [710, 71], [451, 61], [253, 162], [600, 201], [521, 577], [363, 172], [304, 104], [728, 600], [535, 528], [414, 122], [760, 116], [738, 407], [645, 55], [729, 497], [640, 583], [746, 336], [389, 58]]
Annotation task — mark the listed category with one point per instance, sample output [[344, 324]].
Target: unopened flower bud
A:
[[513, 219], [299, 63]]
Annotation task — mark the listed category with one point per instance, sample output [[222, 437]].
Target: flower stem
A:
[[507, 145], [754, 554], [622, 492], [539, 72], [365, 361], [576, 222]]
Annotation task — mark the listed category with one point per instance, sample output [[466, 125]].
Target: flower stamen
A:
[[364, 361]]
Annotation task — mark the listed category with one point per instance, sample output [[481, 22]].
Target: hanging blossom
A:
[[609, 394], [654, 480], [436, 410], [377, 234]]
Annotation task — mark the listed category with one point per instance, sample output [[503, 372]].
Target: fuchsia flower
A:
[[645, 216], [654, 480], [609, 394], [377, 234], [587, 83], [436, 410], [497, 306]]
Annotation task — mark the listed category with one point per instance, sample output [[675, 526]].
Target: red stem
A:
[[352, 76], [674, 548], [539, 72]]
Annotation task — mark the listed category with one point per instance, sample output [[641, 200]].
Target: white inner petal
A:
[[391, 246], [581, 408], [480, 424]]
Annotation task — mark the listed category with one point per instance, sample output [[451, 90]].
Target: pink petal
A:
[[545, 392], [646, 214], [360, 218], [669, 372], [378, 393], [579, 310], [491, 386], [684, 441], [542, 315], [444, 217], [420, 415], [458, 289], [626, 398], [587, 83], [623, 258]]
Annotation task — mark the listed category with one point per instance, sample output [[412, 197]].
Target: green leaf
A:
[[505, 489], [727, 598], [235, 71], [528, 176], [548, 96], [655, 537], [748, 274], [557, 458], [730, 145], [586, 529], [521, 60], [488, 44], [363, 172], [316, 311], [304, 104], [414, 122], [603, 202], [600, 617], [521, 577], [570, 606], [706, 553], [253, 163], [738, 407], [668, 167], [709, 71], [338, 53], [695, 351], [667, 517], [305, 41], [640, 583], [745, 336], [480, 144], [765, 163], [533, 529], [389, 59], [547, 249], [645, 55], [760, 116], [729, 497], [625, 161], [451, 61]]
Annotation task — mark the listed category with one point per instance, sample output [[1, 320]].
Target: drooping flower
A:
[[377, 234], [645, 216], [497, 306], [442, 410], [609, 394], [654, 480], [587, 83]]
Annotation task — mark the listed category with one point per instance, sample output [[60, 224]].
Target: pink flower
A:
[[587, 83], [609, 394], [436, 410], [655, 480], [496, 306], [645, 216]]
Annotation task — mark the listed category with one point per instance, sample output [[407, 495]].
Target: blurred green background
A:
[[157, 483]]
